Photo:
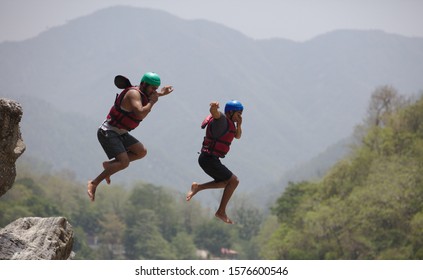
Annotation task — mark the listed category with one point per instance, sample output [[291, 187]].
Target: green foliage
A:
[[143, 222], [287, 204], [416, 229], [30, 199], [212, 236], [184, 246], [369, 205], [248, 219], [143, 239], [269, 227]]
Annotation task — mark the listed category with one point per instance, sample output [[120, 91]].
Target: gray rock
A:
[[34, 238], [11, 143], [26, 238]]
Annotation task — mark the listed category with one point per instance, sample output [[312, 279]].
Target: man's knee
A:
[[140, 153], [234, 181], [124, 163], [143, 153]]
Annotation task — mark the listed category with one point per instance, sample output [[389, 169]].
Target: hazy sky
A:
[[297, 20]]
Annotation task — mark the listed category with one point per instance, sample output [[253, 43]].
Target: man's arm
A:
[[134, 100], [165, 90]]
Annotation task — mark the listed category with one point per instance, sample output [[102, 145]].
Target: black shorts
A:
[[214, 168], [113, 143]]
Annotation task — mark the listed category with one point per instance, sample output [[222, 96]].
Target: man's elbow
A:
[[143, 113]]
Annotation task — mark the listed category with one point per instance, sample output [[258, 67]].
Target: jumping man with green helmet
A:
[[221, 129], [131, 106]]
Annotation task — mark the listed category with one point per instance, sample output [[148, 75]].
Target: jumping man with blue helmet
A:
[[221, 129]]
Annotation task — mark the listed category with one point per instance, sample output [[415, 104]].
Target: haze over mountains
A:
[[299, 98]]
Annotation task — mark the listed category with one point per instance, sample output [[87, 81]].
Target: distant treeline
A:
[[145, 222]]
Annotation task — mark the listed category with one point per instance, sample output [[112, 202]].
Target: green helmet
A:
[[151, 78]]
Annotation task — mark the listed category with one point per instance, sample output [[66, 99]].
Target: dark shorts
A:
[[214, 168], [113, 143]]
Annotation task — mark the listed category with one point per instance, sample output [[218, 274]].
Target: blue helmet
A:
[[233, 105]]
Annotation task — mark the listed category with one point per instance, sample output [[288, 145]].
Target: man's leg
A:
[[230, 187], [215, 169], [119, 163], [135, 152], [195, 187]]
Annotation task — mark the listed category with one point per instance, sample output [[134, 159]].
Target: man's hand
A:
[[214, 109], [214, 105], [165, 91], [237, 118], [153, 98]]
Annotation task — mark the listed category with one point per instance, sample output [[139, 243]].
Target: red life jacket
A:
[[122, 119], [217, 145]]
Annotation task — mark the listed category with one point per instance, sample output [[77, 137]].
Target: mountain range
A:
[[300, 97]]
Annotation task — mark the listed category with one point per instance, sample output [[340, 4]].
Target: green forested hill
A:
[[369, 205]]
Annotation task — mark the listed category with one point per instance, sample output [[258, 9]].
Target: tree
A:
[[212, 236], [142, 238], [384, 101], [159, 200], [286, 205], [111, 234], [183, 246], [248, 219]]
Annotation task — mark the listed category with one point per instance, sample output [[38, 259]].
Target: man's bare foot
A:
[[194, 190], [224, 218], [105, 165], [91, 190]]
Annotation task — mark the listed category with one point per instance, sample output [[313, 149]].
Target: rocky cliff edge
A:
[[28, 238]]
